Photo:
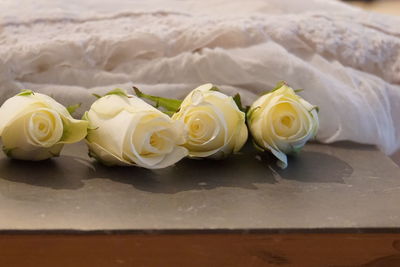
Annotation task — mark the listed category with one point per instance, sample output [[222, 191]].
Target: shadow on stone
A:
[[316, 167], [353, 146], [58, 173], [243, 171]]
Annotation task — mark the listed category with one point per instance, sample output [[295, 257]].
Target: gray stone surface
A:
[[340, 186]]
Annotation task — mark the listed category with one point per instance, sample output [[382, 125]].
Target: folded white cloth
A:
[[346, 60]]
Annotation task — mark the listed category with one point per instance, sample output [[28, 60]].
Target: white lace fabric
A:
[[346, 60]]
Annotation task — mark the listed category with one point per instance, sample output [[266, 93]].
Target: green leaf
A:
[[66, 131], [277, 86], [85, 116], [316, 108], [138, 92], [26, 92], [93, 155], [54, 154], [168, 103], [257, 146], [72, 108], [250, 112], [7, 151], [117, 91], [295, 150], [169, 113], [298, 90], [214, 88], [238, 102], [73, 130]]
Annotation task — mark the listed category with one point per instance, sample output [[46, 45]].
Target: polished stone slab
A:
[[342, 186]]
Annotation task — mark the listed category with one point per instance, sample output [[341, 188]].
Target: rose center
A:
[[196, 126], [156, 141], [201, 125], [42, 126], [287, 121]]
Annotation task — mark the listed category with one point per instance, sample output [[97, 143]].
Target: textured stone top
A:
[[327, 187]]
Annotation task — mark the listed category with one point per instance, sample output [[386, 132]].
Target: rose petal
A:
[[105, 156], [176, 155], [110, 133], [16, 106], [35, 153]]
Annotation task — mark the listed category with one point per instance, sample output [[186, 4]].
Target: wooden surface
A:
[[372, 250]]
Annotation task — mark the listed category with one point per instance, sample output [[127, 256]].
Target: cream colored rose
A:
[[35, 127], [125, 130], [282, 122], [215, 125]]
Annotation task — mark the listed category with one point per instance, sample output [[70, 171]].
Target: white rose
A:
[[34, 126], [215, 125], [125, 130], [282, 122]]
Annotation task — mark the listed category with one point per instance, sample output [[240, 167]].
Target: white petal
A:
[[170, 159], [202, 154], [202, 88], [110, 133], [205, 87], [110, 105], [51, 104], [16, 106], [106, 157], [282, 158], [241, 137], [34, 153]]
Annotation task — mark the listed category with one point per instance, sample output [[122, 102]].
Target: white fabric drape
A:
[[346, 60]]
